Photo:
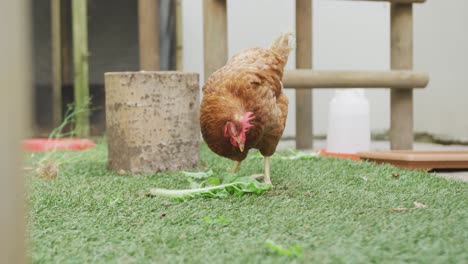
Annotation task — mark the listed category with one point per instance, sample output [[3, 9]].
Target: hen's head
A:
[[237, 129]]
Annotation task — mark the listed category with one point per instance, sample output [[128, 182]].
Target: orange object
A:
[[45, 144], [426, 160], [339, 155]]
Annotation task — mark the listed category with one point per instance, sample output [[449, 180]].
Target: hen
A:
[[244, 106]]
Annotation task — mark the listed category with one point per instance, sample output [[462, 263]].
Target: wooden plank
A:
[[304, 127], [148, 33], [396, 1], [401, 101], [15, 109], [80, 62], [179, 36], [419, 159], [403, 79], [215, 39], [56, 62]]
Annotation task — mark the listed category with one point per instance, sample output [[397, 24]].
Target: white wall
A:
[[355, 35], [441, 48]]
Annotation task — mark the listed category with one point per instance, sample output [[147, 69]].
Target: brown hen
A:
[[244, 105]]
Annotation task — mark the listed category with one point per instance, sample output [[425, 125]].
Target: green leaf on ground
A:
[[292, 251], [239, 187]]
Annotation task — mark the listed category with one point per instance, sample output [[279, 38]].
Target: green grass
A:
[[334, 211]]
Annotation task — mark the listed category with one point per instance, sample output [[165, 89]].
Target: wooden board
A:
[[419, 159]]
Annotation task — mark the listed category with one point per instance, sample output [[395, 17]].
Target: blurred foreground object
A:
[[15, 83]]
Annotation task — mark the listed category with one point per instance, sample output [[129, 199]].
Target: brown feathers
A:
[[249, 82]]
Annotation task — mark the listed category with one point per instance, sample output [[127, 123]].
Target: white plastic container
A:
[[349, 122]]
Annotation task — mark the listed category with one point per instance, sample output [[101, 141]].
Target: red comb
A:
[[245, 121]]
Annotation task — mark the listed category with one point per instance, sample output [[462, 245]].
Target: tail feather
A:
[[283, 45]]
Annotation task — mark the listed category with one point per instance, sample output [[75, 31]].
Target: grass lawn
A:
[[335, 210]]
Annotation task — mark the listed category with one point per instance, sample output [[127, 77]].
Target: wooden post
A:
[[56, 62], [179, 36], [215, 40], [66, 45], [152, 121], [80, 59], [148, 32], [401, 101], [15, 109], [304, 131]]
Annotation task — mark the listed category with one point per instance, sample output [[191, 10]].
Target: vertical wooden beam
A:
[[401, 101], [148, 34], [80, 59], [179, 36], [15, 103], [215, 39], [56, 62], [66, 45], [304, 132]]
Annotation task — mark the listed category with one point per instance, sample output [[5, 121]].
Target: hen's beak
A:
[[241, 146]]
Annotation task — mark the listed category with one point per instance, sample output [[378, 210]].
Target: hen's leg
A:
[[236, 166], [267, 170]]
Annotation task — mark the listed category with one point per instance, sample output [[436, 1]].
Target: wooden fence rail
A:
[[303, 79]]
